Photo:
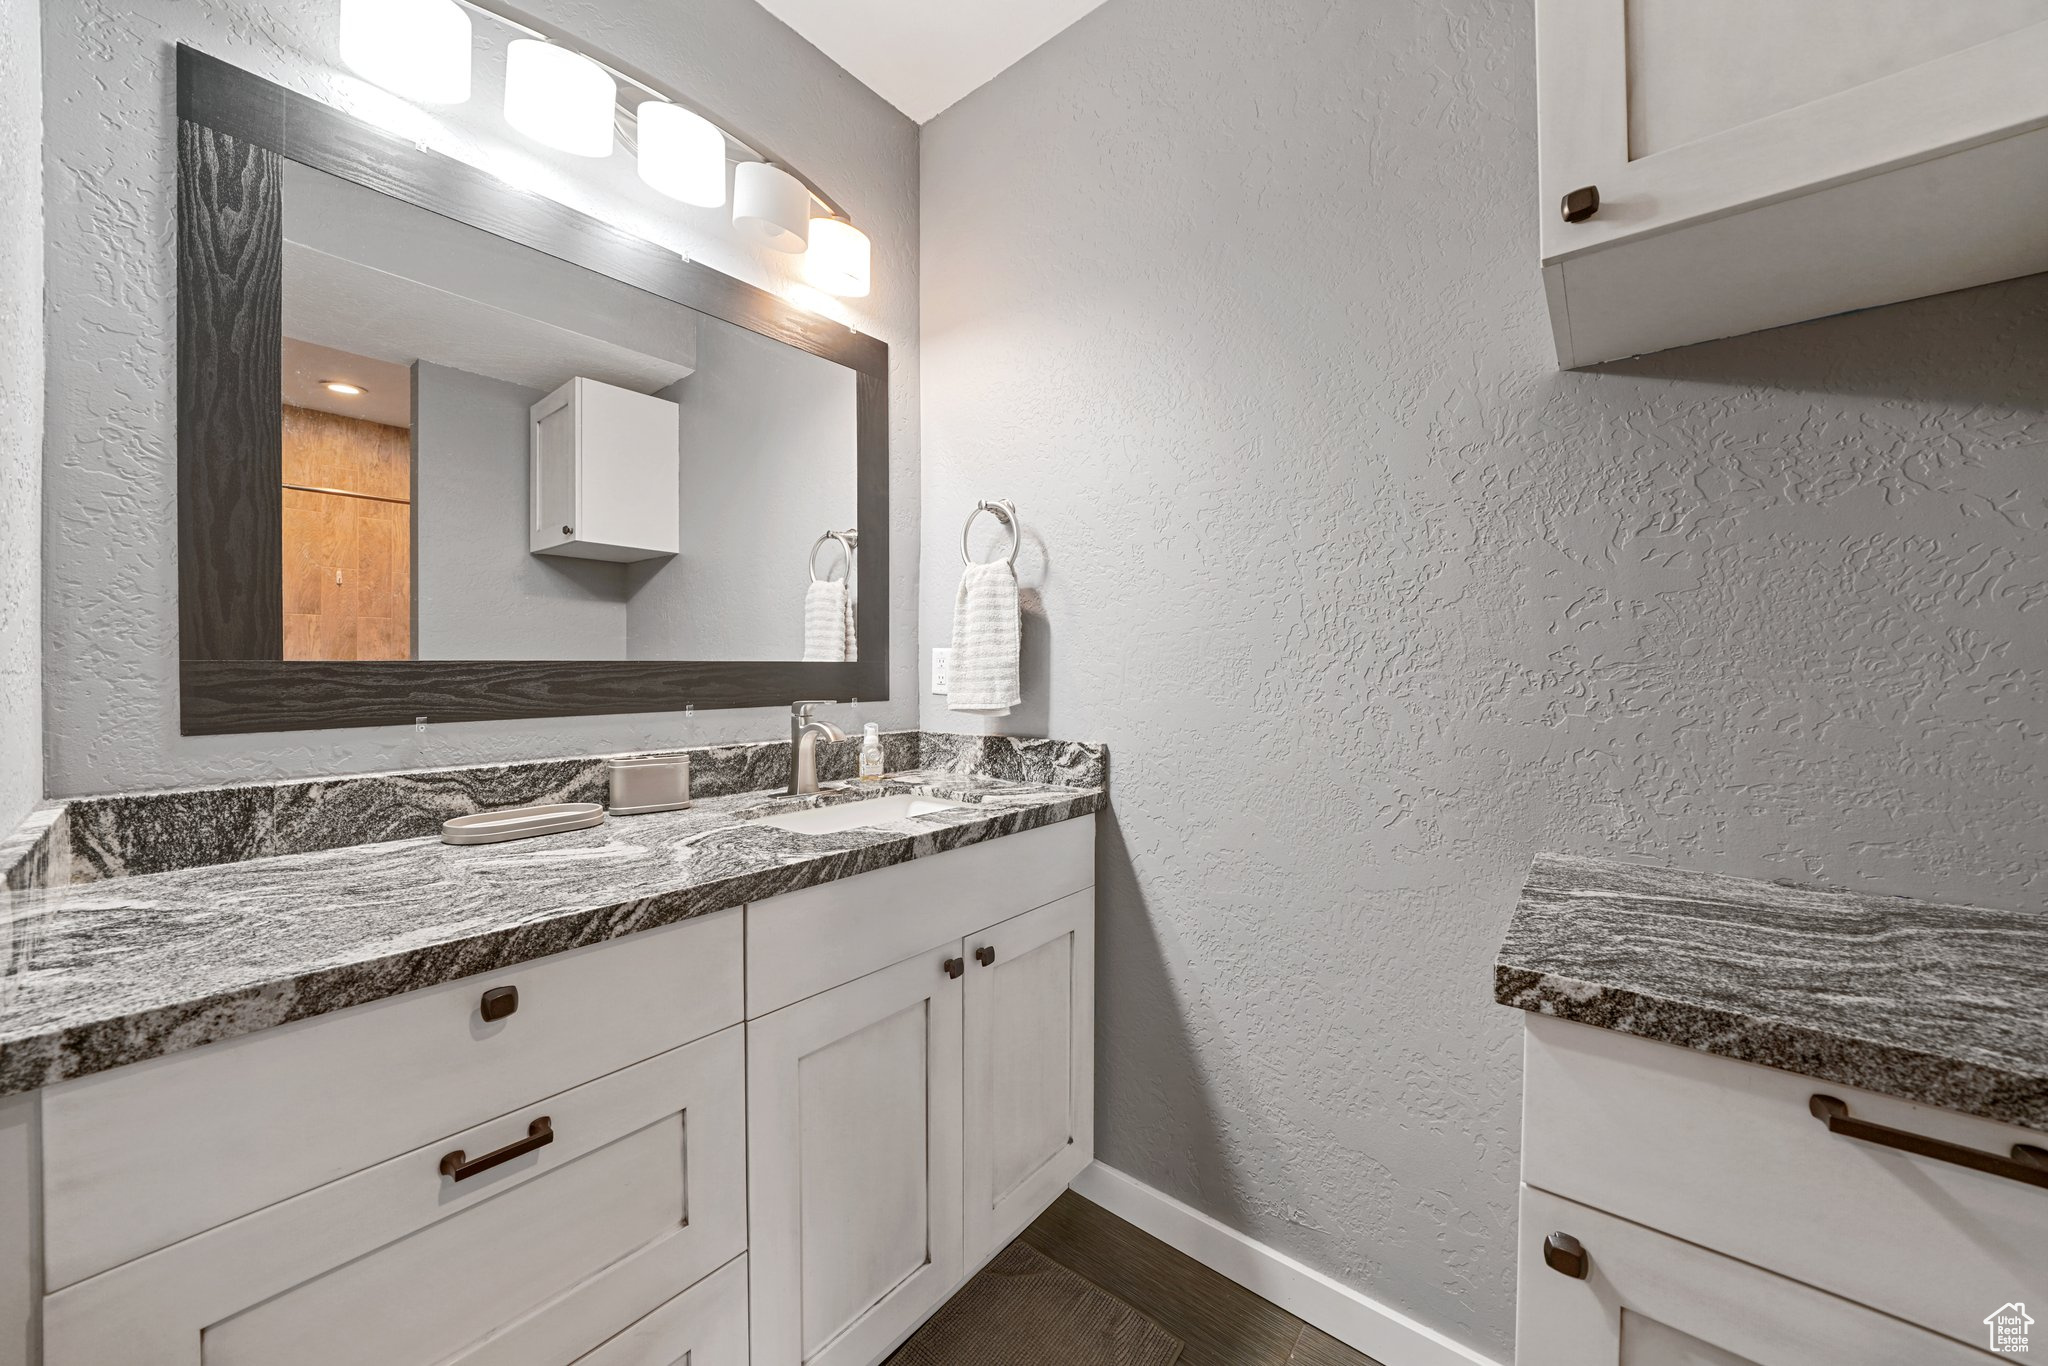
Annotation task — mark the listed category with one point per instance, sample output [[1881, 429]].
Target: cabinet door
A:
[[1682, 111], [853, 1142], [553, 474], [1679, 111], [1030, 1060], [1652, 1300]]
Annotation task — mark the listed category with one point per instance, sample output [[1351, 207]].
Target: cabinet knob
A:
[[568, 531], [499, 1002], [1581, 204], [1563, 1254], [954, 967], [985, 955]]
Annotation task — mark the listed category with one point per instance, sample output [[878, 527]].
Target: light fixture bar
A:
[[532, 26]]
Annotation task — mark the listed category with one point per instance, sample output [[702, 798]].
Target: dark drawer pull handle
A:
[[538, 1135], [985, 955], [498, 1002], [2027, 1164], [954, 967]]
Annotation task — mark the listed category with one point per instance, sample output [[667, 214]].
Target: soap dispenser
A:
[[871, 753]]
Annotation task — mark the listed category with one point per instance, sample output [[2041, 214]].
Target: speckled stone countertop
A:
[[103, 973], [1945, 1005]]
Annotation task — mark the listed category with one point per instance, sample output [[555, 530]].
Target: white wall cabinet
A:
[[1758, 164], [607, 474]]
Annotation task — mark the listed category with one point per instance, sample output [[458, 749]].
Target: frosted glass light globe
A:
[[771, 206], [681, 154], [838, 259], [415, 48], [560, 99]]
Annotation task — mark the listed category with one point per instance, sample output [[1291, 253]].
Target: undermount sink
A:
[[825, 820]]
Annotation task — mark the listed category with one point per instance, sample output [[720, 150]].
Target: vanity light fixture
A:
[[839, 258], [559, 98], [567, 100], [682, 154], [343, 387], [771, 205], [415, 48]]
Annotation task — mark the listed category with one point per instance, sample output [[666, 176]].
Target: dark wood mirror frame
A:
[[235, 130]]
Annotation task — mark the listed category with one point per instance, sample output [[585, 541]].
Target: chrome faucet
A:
[[804, 734]]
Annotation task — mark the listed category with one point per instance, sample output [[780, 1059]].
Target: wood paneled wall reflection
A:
[[347, 537]]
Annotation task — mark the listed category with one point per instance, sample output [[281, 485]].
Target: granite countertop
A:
[[103, 973], [1945, 1005]]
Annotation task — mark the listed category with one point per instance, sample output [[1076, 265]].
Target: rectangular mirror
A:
[[489, 453], [451, 450]]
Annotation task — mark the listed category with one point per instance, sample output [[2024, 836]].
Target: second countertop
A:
[[1944, 1005]]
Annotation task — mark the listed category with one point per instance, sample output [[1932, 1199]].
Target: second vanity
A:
[[1769, 1125], [679, 1088]]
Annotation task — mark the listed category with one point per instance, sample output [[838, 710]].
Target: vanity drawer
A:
[[137, 1158], [536, 1261], [706, 1325], [1651, 1300], [1726, 1155], [802, 943]]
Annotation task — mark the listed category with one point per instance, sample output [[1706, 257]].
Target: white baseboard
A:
[[1383, 1333]]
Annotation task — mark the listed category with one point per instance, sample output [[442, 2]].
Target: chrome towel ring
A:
[[850, 540], [1004, 511]]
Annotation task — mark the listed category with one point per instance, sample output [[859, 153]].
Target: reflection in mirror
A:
[[493, 454]]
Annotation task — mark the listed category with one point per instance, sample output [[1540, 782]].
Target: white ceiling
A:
[[922, 55], [387, 387]]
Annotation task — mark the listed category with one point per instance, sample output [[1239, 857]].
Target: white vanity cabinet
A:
[[1759, 164], [1722, 1223], [450, 1175], [782, 1133], [906, 1123]]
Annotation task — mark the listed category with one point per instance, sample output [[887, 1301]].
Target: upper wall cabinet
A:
[[1710, 170]]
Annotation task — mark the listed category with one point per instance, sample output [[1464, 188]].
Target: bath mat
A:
[[1024, 1309]]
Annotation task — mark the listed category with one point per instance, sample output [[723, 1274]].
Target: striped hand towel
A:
[[986, 630], [828, 622]]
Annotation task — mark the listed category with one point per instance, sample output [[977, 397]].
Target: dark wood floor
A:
[[1221, 1322]]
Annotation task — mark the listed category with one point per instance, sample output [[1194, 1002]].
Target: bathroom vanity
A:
[[1773, 1125], [283, 1078], [645, 1093]]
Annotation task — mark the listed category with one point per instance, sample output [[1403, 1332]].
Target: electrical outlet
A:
[[941, 666]]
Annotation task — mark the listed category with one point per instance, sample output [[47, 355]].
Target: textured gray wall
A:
[[21, 412], [110, 580], [479, 592], [1240, 303], [770, 451]]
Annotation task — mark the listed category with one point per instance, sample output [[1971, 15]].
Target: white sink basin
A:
[[824, 820]]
